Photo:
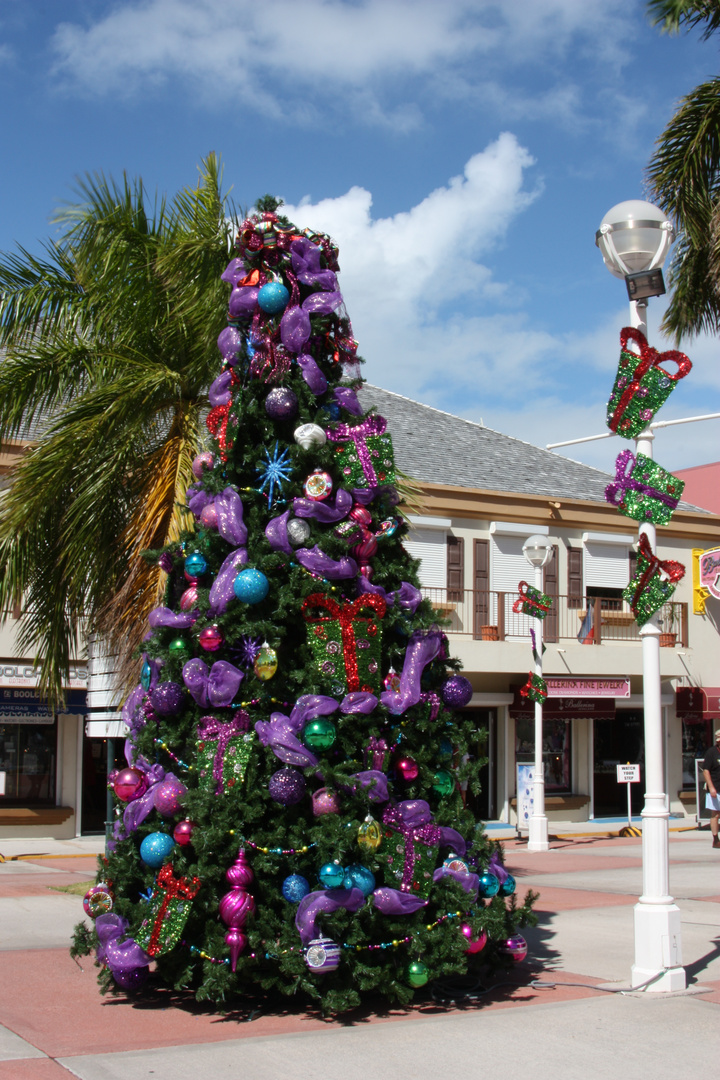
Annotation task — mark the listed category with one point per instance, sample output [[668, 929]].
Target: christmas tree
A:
[[293, 815]]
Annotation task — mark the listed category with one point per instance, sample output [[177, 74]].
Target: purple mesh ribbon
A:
[[393, 902], [348, 400], [210, 728], [325, 511], [312, 374], [137, 810], [319, 903], [468, 881], [221, 590], [279, 733], [229, 343], [243, 301], [216, 689], [230, 517], [317, 562], [615, 492], [132, 704], [197, 499], [496, 867], [120, 956], [373, 425], [234, 271], [375, 783], [306, 264], [407, 596], [322, 303], [294, 328], [422, 648], [358, 701], [413, 821], [276, 533], [164, 616], [219, 392]]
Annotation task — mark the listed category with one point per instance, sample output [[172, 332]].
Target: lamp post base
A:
[[538, 833], [658, 949]]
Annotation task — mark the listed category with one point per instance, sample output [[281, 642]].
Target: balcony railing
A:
[[489, 616]]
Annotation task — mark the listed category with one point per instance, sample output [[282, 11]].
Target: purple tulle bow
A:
[[210, 728], [407, 596], [422, 649], [243, 301], [120, 956], [230, 517], [137, 810], [348, 400], [375, 783], [322, 303], [197, 499], [319, 903], [219, 392], [325, 511], [307, 268], [312, 374], [234, 271], [394, 902], [175, 620], [317, 562], [496, 867], [132, 704], [468, 881], [229, 343], [359, 701], [276, 533], [221, 590], [294, 328], [280, 734], [216, 689]]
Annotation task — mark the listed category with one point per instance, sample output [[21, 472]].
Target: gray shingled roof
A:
[[435, 447]]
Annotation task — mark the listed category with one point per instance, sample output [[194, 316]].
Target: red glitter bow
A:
[[346, 614], [649, 358], [174, 888], [673, 570]]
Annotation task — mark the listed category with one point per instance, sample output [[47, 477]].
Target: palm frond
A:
[[672, 16]]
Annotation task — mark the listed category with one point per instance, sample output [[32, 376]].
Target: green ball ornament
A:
[[417, 974], [178, 646], [319, 734], [444, 782]]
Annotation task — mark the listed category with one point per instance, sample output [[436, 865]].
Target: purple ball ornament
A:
[[287, 786], [209, 516], [168, 699], [325, 801], [201, 462], [281, 403], [457, 691], [130, 784], [273, 297], [132, 979], [408, 768], [168, 797], [515, 948], [211, 638]]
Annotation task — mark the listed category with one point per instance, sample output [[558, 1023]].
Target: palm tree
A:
[[109, 345], [684, 176]]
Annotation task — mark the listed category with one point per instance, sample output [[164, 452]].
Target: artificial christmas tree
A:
[[293, 814]]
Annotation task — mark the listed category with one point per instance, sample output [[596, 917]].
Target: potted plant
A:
[[670, 624]]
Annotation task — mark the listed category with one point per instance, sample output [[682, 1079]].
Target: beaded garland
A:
[[168, 912], [347, 641], [643, 490], [641, 385], [648, 590]]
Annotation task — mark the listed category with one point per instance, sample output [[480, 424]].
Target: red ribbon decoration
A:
[[649, 358], [173, 888], [217, 421], [674, 570], [346, 614]]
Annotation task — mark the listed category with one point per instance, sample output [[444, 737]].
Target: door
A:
[[550, 586], [617, 742], [481, 586]]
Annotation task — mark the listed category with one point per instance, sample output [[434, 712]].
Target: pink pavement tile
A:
[[558, 899], [521, 864], [39, 884], [33, 1069]]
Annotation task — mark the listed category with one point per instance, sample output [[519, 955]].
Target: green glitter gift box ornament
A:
[[168, 912], [653, 583], [346, 640], [411, 846], [641, 385], [643, 490], [364, 453], [223, 751]]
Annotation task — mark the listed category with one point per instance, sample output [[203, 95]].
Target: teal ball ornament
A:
[[319, 734], [155, 849], [331, 875], [443, 782], [417, 974], [508, 886], [195, 564], [145, 675], [251, 586], [273, 297], [488, 885], [359, 877]]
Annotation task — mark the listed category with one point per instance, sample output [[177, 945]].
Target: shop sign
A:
[[565, 708], [710, 571], [29, 676], [19, 706], [563, 686]]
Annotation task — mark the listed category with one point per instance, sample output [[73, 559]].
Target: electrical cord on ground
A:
[[468, 988]]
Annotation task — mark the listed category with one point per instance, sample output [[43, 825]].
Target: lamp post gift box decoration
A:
[[531, 601], [643, 490], [535, 689], [642, 384], [653, 584]]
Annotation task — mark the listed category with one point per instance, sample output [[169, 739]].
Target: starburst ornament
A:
[[276, 469]]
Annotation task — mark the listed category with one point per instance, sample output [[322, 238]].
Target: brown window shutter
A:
[[575, 578], [455, 569]]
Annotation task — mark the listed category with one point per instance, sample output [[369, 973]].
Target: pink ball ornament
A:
[[211, 638], [201, 462], [515, 948], [366, 548], [366, 571], [318, 485], [361, 514], [130, 784], [476, 945], [189, 599], [183, 832], [325, 802], [408, 768], [209, 516], [168, 797]]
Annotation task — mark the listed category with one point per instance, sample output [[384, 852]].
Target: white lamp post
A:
[[537, 550], [634, 238]]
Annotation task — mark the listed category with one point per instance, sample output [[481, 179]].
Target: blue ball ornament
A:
[[195, 564], [332, 409], [488, 885], [359, 877], [155, 849], [295, 887], [331, 875], [508, 886], [251, 586], [273, 297]]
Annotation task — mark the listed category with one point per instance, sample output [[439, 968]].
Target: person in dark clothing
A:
[[711, 772]]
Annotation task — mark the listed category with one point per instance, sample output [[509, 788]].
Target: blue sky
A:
[[462, 154]]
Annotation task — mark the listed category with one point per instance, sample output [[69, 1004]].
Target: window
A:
[[27, 758], [557, 749], [427, 541], [455, 569]]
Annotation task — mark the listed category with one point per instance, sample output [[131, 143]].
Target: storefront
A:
[[698, 709]]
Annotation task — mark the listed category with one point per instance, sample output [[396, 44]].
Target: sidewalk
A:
[[54, 1025]]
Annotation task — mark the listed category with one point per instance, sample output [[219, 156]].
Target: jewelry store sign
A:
[[564, 686]]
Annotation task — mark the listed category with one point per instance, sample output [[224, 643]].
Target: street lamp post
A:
[[537, 550], [634, 238]]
